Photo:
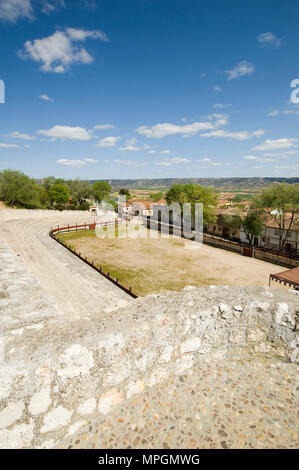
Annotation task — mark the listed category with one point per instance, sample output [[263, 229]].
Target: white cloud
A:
[[130, 145], [76, 34], [164, 152], [13, 10], [57, 52], [108, 142], [49, 7], [103, 127], [238, 135], [72, 163], [45, 97], [283, 154], [27, 146], [209, 162], [275, 112], [164, 129], [7, 146], [75, 163], [18, 135], [217, 88], [180, 160], [277, 144], [171, 161], [130, 163], [130, 148], [152, 152], [269, 39], [90, 160], [243, 68], [65, 133], [259, 159]]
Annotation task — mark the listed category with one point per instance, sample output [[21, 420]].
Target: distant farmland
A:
[[221, 184]]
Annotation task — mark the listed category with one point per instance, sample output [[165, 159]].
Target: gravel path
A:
[[76, 290], [231, 404]]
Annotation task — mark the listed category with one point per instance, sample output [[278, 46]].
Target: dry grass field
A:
[[155, 265]]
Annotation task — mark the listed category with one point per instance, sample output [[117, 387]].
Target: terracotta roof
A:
[[295, 226], [291, 277]]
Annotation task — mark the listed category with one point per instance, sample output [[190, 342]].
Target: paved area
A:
[[228, 404], [76, 290]]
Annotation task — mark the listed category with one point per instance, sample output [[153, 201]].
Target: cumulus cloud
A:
[[277, 144], [166, 151], [130, 145], [269, 39], [65, 133], [260, 159], [130, 163], [45, 97], [103, 127], [75, 163], [108, 142], [90, 160], [174, 160], [49, 7], [161, 130], [18, 135], [13, 10], [240, 70], [7, 146], [238, 135], [208, 162], [56, 53]]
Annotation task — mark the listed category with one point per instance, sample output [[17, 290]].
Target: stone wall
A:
[[58, 375]]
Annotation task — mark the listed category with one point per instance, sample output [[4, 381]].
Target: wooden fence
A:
[[75, 228]]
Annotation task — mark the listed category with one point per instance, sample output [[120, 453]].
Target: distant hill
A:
[[225, 184]]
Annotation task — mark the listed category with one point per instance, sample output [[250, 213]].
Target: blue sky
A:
[[149, 88]]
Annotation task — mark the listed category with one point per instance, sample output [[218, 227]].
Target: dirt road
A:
[[77, 290]]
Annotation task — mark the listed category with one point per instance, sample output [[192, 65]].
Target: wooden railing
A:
[[75, 228]]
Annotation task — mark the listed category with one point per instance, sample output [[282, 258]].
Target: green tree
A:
[[18, 188], [101, 190], [194, 193], [280, 202], [156, 196], [80, 190], [124, 192], [253, 224], [59, 193]]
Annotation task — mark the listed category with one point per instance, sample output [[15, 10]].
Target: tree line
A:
[[19, 190]]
